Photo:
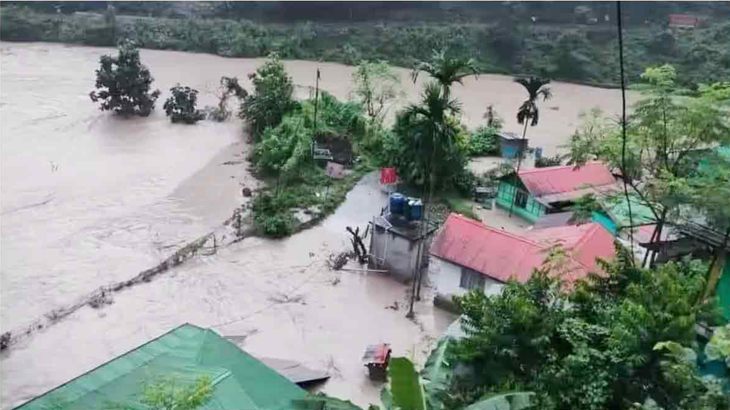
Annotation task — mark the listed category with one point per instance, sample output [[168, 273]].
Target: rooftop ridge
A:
[[536, 170], [489, 228]]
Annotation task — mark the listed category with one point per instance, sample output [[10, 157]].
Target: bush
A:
[[484, 141], [181, 106], [124, 83], [465, 182], [548, 161], [272, 99], [285, 147]]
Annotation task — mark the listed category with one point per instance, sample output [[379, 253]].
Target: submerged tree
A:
[[123, 83], [229, 86], [181, 107]]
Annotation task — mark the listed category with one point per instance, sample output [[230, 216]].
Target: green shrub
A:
[[548, 161], [123, 83], [181, 106], [484, 141], [272, 99], [285, 147], [465, 182]]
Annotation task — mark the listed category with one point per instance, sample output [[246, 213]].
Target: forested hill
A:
[[573, 41]]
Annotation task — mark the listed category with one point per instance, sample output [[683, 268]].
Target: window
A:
[[521, 200], [471, 279]]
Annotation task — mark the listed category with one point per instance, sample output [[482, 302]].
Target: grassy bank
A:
[[275, 209], [577, 53]]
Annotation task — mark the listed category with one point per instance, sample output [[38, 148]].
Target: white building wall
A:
[[446, 278]]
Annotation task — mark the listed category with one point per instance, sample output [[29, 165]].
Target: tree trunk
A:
[[519, 163]]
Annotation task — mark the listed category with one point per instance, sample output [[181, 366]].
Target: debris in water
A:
[[336, 262], [336, 281], [4, 340], [394, 306], [246, 192], [100, 300]]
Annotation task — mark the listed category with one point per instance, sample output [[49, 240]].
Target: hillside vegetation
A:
[[564, 43]]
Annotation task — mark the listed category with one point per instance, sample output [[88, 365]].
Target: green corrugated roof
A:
[[239, 380], [618, 209]]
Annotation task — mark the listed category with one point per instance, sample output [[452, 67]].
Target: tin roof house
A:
[[468, 255], [239, 380], [541, 191]]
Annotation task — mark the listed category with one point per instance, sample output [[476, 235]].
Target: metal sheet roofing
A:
[[186, 352], [505, 256], [565, 179]]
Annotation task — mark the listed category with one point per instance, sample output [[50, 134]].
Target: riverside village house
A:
[[467, 255], [540, 191]]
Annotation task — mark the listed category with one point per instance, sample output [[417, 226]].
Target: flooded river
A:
[[88, 199]]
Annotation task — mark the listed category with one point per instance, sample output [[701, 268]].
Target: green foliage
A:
[[181, 106], [431, 142], [719, 346], [229, 86], [543, 162], [405, 386], [285, 148], [593, 348], [309, 188], [484, 141], [461, 206], [668, 135], [123, 83], [376, 87], [446, 70], [272, 98], [514, 45], [170, 393]]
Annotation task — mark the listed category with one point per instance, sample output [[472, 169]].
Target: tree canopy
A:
[[123, 83], [608, 344]]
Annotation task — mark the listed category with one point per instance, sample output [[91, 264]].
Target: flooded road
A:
[[88, 199]]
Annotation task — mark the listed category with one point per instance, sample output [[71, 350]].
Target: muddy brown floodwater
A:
[[88, 199]]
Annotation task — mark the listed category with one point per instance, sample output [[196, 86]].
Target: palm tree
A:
[[446, 71], [428, 123], [528, 113]]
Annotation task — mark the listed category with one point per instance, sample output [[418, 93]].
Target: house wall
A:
[[399, 253], [532, 211], [446, 278]]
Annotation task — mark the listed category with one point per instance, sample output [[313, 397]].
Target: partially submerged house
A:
[[541, 191], [187, 352], [469, 255]]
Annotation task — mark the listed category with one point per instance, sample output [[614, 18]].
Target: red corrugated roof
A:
[[503, 256], [556, 180], [585, 242]]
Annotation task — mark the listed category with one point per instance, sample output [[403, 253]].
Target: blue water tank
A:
[[396, 203], [416, 210]]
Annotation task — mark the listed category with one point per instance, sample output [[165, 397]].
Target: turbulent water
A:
[[88, 199]]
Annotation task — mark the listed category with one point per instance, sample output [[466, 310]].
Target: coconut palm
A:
[[529, 113], [446, 71]]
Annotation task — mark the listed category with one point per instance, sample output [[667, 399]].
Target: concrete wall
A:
[[399, 253], [446, 278]]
